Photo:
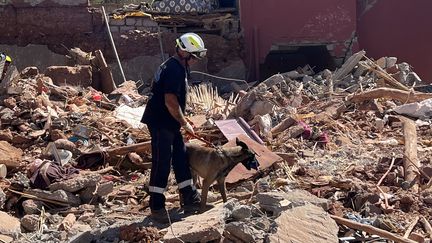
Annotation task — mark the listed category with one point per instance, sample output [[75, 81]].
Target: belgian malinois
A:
[[214, 164]]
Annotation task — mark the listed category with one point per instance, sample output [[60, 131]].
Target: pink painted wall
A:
[[296, 22], [399, 28]]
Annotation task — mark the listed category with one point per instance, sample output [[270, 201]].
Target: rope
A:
[[170, 225], [222, 78]]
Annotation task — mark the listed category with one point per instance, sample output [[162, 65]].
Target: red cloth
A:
[[307, 134]]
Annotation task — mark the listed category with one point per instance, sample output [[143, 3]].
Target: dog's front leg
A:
[[204, 192], [222, 188], [196, 180]]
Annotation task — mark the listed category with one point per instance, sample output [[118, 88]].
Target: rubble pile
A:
[[341, 158], [342, 137], [48, 131]]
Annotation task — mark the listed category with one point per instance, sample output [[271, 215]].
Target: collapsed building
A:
[[344, 152]]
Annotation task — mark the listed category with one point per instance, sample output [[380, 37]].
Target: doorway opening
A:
[[288, 59]]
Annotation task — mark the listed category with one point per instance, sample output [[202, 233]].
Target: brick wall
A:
[[133, 23], [57, 24], [49, 22]]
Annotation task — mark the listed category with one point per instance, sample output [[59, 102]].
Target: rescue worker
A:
[[5, 62], [164, 116]]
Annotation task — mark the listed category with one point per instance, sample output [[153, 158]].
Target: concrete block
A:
[[149, 23], [115, 29], [130, 21], [117, 22], [126, 28], [312, 224], [205, 227], [278, 202], [142, 28], [241, 230], [138, 22], [61, 75]]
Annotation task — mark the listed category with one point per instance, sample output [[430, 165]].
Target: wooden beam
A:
[[383, 74], [411, 227], [283, 125], [389, 93], [139, 147], [107, 80], [427, 226], [411, 162], [370, 229], [348, 66]]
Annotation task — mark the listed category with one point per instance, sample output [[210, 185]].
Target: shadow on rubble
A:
[[133, 231]]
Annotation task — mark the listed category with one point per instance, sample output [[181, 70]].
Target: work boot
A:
[[161, 216], [191, 201]]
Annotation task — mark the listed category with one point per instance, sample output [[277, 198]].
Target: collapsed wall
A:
[[62, 24], [50, 23]]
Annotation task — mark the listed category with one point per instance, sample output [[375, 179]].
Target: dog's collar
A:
[[229, 168]]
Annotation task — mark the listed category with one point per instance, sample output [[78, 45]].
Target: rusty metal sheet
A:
[[265, 157]]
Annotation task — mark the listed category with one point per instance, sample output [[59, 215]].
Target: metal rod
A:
[[160, 44], [113, 44]]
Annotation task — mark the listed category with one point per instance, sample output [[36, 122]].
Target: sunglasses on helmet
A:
[[199, 55]]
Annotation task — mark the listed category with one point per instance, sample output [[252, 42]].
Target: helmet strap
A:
[[187, 67], [186, 61]]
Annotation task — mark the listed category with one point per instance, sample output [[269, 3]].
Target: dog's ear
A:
[[241, 144]]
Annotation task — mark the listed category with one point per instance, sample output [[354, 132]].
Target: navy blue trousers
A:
[[168, 148]]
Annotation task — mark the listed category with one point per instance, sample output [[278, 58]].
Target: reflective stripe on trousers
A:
[[167, 147], [156, 189]]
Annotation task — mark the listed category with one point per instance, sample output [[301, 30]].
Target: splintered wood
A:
[[389, 93], [371, 230], [205, 97], [411, 162], [349, 65]]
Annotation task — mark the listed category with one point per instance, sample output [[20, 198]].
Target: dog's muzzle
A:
[[251, 163]]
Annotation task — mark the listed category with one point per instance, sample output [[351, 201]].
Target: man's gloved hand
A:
[[188, 128]]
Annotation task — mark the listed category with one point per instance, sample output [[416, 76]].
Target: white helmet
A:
[[192, 43]]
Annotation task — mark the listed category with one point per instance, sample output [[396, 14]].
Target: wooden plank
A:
[[411, 161], [389, 93], [411, 227], [107, 82], [387, 77], [283, 125], [427, 226], [370, 229], [137, 148], [348, 66]]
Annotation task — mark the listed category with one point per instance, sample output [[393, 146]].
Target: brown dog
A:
[[214, 164]]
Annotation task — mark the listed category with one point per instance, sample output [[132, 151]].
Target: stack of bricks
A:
[[133, 23]]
